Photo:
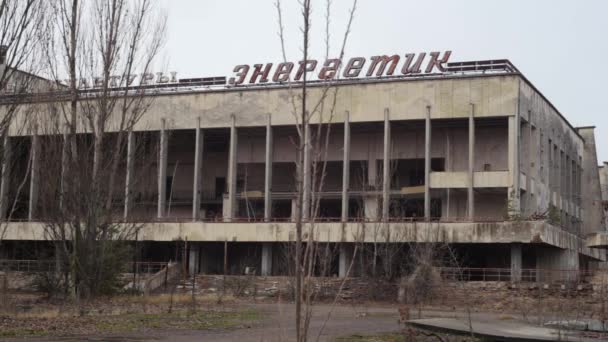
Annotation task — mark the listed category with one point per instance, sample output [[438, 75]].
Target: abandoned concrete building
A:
[[474, 157]]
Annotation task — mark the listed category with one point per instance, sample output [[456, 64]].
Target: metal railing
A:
[[27, 265], [509, 275], [33, 266]]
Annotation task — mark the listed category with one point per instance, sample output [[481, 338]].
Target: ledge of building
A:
[[527, 232], [597, 240]]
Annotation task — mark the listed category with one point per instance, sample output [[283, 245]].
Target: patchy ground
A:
[[216, 317]]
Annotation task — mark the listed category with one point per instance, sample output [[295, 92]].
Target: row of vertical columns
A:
[[268, 173], [162, 170], [386, 176], [198, 173], [346, 168], [471, 170]]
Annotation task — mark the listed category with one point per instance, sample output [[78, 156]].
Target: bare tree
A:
[[89, 127], [311, 157], [21, 24]]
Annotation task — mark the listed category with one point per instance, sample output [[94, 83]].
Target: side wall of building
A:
[[551, 161]]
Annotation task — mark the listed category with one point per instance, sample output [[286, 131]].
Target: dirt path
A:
[[276, 324]]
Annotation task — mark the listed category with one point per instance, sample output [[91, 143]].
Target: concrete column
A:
[[345, 257], [230, 205], [162, 170], [372, 167], [6, 172], [471, 170], [371, 208], [129, 174], [294, 208], [427, 165], [386, 175], [194, 258], [34, 175], [513, 151], [346, 167], [448, 168], [516, 261], [266, 259], [64, 167], [306, 198], [268, 172], [197, 184], [556, 264]]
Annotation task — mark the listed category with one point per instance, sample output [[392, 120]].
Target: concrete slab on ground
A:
[[495, 329]]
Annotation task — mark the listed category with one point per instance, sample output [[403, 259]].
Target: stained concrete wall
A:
[[548, 172], [529, 232], [551, 153], [591, 191], [603, 170], [494, 95]]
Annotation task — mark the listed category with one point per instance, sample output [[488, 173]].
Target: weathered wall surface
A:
[[591, 191], [531, 232], [551, 153], [494, 95], [603, 170]]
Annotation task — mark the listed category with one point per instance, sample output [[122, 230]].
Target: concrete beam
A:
[[346, 167], [34, 175], [162, 170], [427, 164], [386, 175], [268, 172], [129, 174], [471, 170], [197, 184], [525, 232]]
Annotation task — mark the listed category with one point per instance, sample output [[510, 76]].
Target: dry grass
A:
[[181, 298]]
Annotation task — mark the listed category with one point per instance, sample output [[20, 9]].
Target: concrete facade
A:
[[457, 159]]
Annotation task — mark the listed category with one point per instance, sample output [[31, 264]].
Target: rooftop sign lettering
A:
[[376, 66], [115, 81]]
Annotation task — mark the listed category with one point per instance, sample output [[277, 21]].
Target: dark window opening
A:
[[281, 209], [168, 187], [413, 208], [220, 187]]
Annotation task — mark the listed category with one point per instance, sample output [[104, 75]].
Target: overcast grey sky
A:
[[559, 45]]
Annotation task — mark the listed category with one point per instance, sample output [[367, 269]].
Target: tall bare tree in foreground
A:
[[100, 45], [21, 24], [311, 156]]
